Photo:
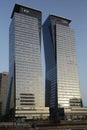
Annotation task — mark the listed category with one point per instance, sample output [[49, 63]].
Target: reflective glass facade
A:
[[61, 64], [25, 77]]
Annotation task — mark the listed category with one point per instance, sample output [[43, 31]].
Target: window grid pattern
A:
[[24, 46], [67, 75], [27, 58]]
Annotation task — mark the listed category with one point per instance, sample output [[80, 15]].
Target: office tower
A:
[[3, 90], [25, 87], [61, 64]]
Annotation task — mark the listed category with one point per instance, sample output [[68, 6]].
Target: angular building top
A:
[[24, 10], [62, 19], [57, 19]]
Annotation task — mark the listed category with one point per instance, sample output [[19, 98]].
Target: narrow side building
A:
[[3, 91]]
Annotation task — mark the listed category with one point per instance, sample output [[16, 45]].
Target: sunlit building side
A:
[[25, 87]]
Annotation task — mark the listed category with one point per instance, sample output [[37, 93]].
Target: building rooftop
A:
[[62, 18], [17, 9]]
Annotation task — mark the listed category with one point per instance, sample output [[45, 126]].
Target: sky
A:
[[75, 10]]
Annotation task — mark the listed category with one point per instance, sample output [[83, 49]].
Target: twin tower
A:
[[25, 92]]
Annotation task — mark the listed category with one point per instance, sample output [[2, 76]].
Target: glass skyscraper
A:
[[62, 84], [25, 88]]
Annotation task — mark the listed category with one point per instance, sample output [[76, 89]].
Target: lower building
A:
[[33, 114], [75, 113], [3, 89]]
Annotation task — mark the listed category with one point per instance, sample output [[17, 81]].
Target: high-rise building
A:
[[3, 90], [61, 64], [25, 88]]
